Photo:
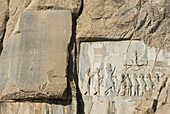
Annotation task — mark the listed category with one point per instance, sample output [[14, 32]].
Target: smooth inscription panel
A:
[[120, 67], [34, 60]]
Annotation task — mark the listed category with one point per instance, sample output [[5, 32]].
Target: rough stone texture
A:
[[3, 19], [125, 19], [164, 93], [73, 5], [99, 20], [168, 91], [17, 7], [34, 62], [160, 98], [37, 108], [110, 105], [161, 85], [145, 107], [125, 105], [119, 54], [164, 109]]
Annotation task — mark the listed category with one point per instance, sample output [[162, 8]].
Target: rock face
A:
[[124, 77], [34, 60], [163, 110], [85, 56], [3, 19], [17, 7], [125, 19], [37, 108]]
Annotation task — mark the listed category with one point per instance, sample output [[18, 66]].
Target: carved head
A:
[[109, 67], [134, 75], [148, 76], [127, 75], [88, 71], [157, 76], [97, 70], [141, 75]]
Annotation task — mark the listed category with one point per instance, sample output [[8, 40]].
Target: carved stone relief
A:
[[120, 68]]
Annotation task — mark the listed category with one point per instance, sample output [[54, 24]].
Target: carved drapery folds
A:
[[129, 85], [127, 68]]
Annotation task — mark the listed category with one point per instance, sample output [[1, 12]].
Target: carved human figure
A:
[[119, 80], [108, 80], [122, 85], [134, 57], [115, 81], [156, 80], [86, 89], [148, 81], [128, 85], [142, 84], [135, 85], [96, 84]]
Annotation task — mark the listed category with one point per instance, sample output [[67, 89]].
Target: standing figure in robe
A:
[[135, 85], [108, 80], [128, 85], [96, 82], [142, 84], [115, 81], [86, 89], [122, 85], [149, 82]]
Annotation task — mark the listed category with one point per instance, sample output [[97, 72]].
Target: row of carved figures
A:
[[130, 85]]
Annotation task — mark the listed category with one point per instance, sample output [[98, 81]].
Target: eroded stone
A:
[[125, 19], [34, 61], [112, 64], [38, 108]]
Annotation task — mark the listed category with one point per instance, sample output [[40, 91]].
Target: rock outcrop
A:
[[34, 61], [85, 56], [4, 15], [125, 19]]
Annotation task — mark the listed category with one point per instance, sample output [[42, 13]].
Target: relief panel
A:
[[120, 68]]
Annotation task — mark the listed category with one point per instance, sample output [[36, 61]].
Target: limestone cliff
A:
[[47, 47]]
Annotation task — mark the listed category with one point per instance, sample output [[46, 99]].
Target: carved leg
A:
[[129, 91], [137, 93], [140, 92], [118, 89], [133, 91], [113, 89], [144, 90]]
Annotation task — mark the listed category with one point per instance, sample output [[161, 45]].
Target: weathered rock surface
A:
[[17, 7], [109, 104], [159, 100], [38, 108], [3, 19], [125, 19], [36, 38], [34, 61], [164, 109], [158, 90], [145, 107]]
